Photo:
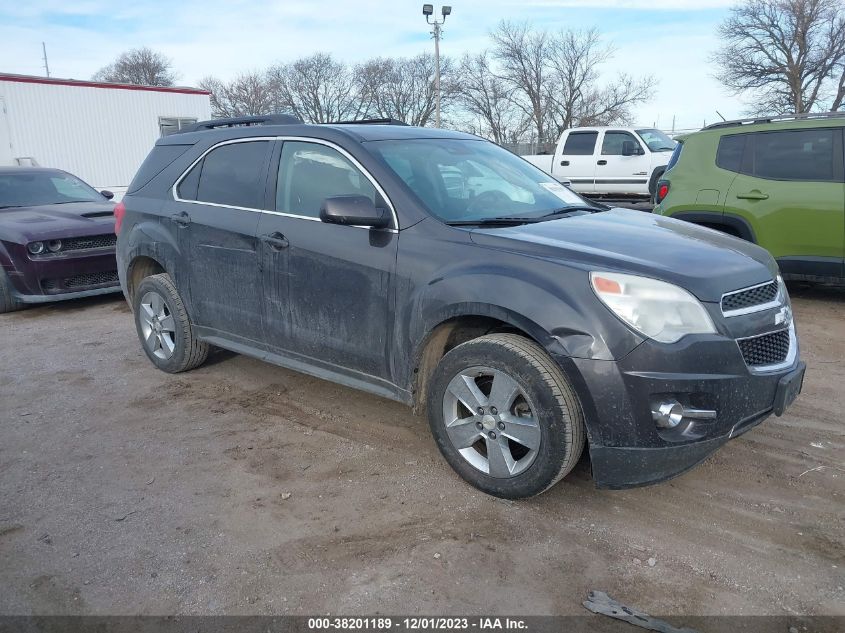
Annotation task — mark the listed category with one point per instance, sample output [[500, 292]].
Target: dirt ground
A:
[[244, 488]]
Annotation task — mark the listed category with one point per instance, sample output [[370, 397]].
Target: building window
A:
[[171, 125]]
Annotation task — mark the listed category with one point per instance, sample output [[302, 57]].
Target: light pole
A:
[[436, 30]]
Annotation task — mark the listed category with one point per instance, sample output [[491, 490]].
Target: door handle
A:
[[276, 241], [753, 195], [181, 219], [602, 162], [564, 163]]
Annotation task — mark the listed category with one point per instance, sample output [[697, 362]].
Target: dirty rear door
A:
[[222, 199], [338, 279]]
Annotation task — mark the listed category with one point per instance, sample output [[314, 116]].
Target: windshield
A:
[[30, 188], [466, 180], [656, 140]]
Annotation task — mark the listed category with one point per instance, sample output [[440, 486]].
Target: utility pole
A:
[[46, 65], [436, 32]]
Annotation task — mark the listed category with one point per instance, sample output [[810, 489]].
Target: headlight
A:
[[35, 248], [656, 309], [54, 246]]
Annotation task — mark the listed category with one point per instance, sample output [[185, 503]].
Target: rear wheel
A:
[[163, 326], [504, 416], [7, 302]]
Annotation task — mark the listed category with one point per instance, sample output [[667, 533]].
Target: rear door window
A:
[[580, 143], [231, 175], [794, 155]]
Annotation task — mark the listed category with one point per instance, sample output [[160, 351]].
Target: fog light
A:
[[669, 414], [36, 248], [54, 246]]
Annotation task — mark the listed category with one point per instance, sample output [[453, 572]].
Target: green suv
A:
[[778, 182]]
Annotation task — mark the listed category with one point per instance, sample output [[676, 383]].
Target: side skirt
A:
[[309, 366]]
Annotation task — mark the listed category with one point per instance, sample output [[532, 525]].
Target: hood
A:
[[704, 262], [56, 221]]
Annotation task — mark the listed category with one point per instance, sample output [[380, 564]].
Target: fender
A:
[[148, 239], [656, 173], [738, 224]]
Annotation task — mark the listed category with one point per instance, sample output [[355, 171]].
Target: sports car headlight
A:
[[36, 248], [656, 309]]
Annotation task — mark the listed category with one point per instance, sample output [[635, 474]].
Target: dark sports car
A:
[[56, 238]]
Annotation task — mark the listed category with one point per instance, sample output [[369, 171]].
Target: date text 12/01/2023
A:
[[415, 623]]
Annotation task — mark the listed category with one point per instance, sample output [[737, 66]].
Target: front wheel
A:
[[166, 332], [7, 302], [505, 417]]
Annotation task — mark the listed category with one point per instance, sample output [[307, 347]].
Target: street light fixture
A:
[[436, 32]]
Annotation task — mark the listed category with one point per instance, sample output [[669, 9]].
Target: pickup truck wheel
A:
[[652, 183], [164, 328], [7, 302], [504, 416]]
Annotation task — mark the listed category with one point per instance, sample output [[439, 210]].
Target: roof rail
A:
[[369, 122], [781, 117], [266, 119]]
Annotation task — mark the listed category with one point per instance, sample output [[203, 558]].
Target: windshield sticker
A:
[[570, 197]]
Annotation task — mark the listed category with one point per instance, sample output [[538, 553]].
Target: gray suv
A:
[[437, 269]]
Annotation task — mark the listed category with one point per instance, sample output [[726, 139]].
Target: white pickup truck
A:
[[613, 161]]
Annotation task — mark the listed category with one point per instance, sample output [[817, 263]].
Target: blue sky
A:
[[670, 39]]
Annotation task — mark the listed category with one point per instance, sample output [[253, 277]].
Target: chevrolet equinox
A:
[[440, 270]]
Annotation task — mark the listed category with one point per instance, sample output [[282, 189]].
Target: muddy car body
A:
[[371, 278]]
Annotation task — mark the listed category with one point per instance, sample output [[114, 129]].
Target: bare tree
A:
[[784, 52], [403, 88], [248, 94], [142, 66], [486, 97], [523, 55], [317, 89]]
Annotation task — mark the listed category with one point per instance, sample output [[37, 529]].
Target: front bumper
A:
[[627, 448], [58, 277]]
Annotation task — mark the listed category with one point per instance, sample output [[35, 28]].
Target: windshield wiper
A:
[[567, 211], [10, 206], [503, 221]]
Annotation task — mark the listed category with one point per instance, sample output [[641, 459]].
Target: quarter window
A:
[[580, 143], [612, 143], [232, 175], [309, 173], [729, 154]]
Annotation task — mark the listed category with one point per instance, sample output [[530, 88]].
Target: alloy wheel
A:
[[157, 325], [491, 421]]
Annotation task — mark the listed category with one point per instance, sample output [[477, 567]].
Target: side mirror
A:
[[353, 211], [631, 148], [108, 195]]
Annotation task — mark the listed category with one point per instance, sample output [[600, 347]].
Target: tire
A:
[[7, 302], [163, 326], [652, 183], [542, 430]]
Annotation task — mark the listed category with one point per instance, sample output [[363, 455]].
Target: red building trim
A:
[[27, 79]]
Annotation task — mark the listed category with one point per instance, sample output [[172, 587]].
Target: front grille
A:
[[758, 295], [768, 349], [80, 281], [89, 243]]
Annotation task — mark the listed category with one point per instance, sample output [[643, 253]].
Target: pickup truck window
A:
[[613, 141], [309, 173], [580, 143], [473, 180]]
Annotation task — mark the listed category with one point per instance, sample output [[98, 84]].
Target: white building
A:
[[100, 132]]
